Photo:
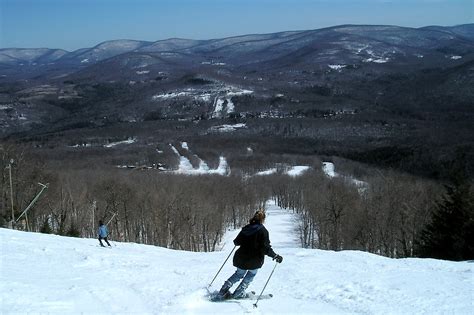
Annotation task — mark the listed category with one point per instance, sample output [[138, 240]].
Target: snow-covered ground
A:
[[185, 167], [292, 171], [337, 67], [169, 95], [297, 170], [221, 93], [61, 275], [113, 144], [329, 170], [270, 171], [227, 128]]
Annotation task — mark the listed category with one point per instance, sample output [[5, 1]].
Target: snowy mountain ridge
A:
[[383, 39], [60, 275]]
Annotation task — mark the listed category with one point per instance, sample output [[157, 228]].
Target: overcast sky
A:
[[73, 24]]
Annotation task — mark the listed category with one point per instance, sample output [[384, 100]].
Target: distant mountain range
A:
[[346, 44], [395, 96]]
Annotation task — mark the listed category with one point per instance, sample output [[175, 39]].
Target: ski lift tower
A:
[[43, 187]]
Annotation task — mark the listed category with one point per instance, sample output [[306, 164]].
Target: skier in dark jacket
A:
[[254, 245], [103, 233]]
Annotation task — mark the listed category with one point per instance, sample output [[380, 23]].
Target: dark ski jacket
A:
[[254, 245]]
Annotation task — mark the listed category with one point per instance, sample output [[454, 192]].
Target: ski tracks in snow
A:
[[282, 225], [53, 274]]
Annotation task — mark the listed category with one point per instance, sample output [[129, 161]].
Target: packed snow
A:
[[86, 145], [52, 274], [292, 171], [337, 67], [329, 170], [227, 128], [213, 63], [373, 56], [113, 144], [267, 172], [377, 60], [239, 92], [190, 92], [169, 95], [230, 106], [223, 107], [205, 97], [297, 170], [221, 94], [218, 108], [186, 168]]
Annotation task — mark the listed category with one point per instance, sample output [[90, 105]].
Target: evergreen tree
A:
[[73, 230], [450, 234], [46, 228]]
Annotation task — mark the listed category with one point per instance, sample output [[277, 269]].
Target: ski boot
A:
[[240, 293], [224, 292]]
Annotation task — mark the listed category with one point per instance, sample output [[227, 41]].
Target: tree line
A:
[[149, 207], [391, 214], [386, 212]]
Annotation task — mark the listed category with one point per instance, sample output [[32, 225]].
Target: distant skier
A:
[[254, 244], [103, 233]]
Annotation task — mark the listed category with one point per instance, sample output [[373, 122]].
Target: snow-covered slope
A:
[[105, 50], [27, 55], [60, 275]]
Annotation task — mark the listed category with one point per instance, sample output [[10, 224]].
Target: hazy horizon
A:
[[74, 24]]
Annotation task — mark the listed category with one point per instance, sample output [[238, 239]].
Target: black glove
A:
[[278, 258]]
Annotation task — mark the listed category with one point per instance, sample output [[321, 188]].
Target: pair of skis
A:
[[252, 296], [215, 297]]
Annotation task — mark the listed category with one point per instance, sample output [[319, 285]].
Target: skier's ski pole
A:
[[255, 305], [114, 214], [221, 267]]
